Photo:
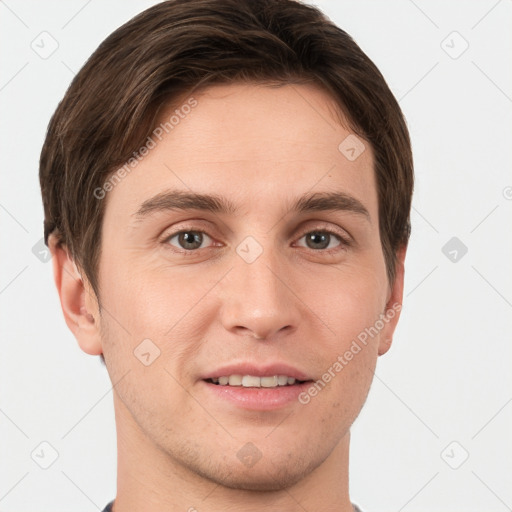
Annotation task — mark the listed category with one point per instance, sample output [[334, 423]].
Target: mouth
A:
[[253, 387], [254, 381]]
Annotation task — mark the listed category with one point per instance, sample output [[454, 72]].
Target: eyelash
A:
[[344, 241]]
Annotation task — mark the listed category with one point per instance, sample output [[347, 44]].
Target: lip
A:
[[263, 370], [255, 399]]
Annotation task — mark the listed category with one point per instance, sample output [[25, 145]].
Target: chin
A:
[[263, 476], [259, 481]]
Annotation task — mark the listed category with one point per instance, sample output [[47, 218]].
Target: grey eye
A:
[[320, 239]]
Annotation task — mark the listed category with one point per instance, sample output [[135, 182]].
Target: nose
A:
[[258, 300]]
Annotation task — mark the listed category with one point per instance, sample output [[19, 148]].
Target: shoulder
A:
[[108, 508]]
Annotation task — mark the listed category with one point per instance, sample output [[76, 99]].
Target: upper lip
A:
[[258, 370]]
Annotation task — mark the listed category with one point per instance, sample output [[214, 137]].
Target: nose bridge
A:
[[256, 298]]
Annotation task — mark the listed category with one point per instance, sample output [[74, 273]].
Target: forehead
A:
[[256, 143]]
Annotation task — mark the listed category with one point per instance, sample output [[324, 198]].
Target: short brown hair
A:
[[177, 46]]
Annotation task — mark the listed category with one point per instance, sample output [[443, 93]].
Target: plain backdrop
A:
[[434, 434]]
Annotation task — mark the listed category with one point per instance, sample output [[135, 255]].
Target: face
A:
[[277, 277]]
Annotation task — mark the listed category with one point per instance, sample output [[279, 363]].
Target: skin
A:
[[260, 147]]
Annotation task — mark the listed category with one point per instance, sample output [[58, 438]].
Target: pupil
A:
[[190, 240], [318, 238]]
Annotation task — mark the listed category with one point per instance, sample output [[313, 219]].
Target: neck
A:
[[150, 479]]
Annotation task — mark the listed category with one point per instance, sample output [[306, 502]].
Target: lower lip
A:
[[259, 399]]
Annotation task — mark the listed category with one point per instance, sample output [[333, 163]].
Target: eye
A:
[[189, 240], [192, 240], [322, 239]]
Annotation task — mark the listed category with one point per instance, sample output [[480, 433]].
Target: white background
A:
[[447, 377]]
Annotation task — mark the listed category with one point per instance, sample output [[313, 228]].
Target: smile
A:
[[253, 381]]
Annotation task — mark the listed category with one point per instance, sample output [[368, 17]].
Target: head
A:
[[290, 162]]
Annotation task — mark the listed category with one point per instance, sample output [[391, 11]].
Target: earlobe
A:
[[78, 302], [384, 345], [394, 304]]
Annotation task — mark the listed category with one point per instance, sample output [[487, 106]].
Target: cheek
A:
[[351, 308], [144, 339], [168, 308], [349, 303], [148, 299]]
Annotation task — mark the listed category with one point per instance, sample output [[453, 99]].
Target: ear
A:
[[77, 299], [393, 304]]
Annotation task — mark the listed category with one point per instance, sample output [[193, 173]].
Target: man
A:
[[227, 187]]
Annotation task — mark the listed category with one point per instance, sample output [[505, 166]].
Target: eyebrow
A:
[[176, 200]]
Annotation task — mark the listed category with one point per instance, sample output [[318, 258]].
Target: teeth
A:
[[282, 380], [252, 381], [249, 381], [268, 382], [235, 380]]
